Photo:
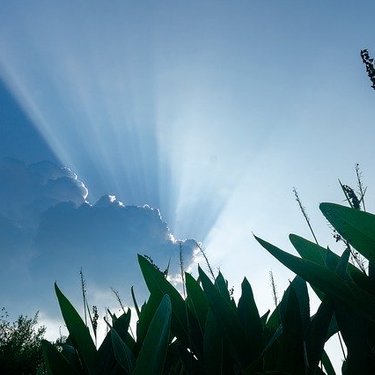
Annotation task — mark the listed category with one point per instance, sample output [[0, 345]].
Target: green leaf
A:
[[300, 289], [327, 364], [357, 227], [79, 333], [291, 355], [159, 286], [364, 282], [121, 325], [227, 319], [106, 356], [275, 319], [135, 301], [212, 347], [331, 260], [318, 332], [123, 354], [146, 315], [327, 281], [275, 355], [311, 251], [55, 362], [264, 318], [70, 354], [272, 349], [342, 266], [222, 286], [355, 331], [250, 320], [151, 358], [308, 250], [196, 300]]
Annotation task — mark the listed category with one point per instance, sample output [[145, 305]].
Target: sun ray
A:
[[113, 112]]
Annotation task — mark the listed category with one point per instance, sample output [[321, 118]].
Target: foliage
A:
[[349, 291], [206, 332], [20, 345]]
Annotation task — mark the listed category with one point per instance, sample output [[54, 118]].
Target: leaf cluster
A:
[[208, 332], [346, 292], [205, 333]]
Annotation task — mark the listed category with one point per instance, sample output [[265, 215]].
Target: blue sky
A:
[[208, 111]]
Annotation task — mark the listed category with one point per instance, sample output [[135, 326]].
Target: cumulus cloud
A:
[[49, 230], [104, 239], [27, 191]]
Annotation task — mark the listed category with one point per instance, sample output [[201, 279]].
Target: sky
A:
[[199, 117]]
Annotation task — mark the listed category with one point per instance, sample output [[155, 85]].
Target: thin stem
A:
[[303, 210], [182, 270], [362, 190], [108, 326], [274, 292], [117, 295], [83, 288], [206, 259]]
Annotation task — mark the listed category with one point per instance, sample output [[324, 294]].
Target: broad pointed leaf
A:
[[328, 367], [291, 355], [250, 320], [196, 300], [159, 286], [357, 227], [151, 358], [123, 354], [311, 251], [318, 332], [79, 333], [227, 319], [55, 361], [327, 281], [213, 347]]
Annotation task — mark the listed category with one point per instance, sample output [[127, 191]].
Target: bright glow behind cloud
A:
[[92, 82], [174, 105], [86, 93]]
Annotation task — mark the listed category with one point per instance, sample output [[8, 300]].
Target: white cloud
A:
[[104, 239], [46, 221], [55, 327], [28, 190]]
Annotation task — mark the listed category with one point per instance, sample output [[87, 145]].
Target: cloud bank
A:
[[27, 191], [49, 230]]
